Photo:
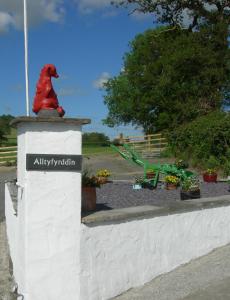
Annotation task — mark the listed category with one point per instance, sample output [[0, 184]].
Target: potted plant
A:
[[172, 182], [150, 173], [181, 164], [190, 188], [138, 183], [210, 175], [89, 196], [103, 175]]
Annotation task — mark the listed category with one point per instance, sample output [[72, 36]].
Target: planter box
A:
[[209, 178], [188, 195], [89, 198]]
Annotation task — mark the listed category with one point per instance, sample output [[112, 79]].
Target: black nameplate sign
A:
[[53, 162]]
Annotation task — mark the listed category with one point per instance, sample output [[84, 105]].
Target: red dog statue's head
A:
[[50, 70], [46, 98]]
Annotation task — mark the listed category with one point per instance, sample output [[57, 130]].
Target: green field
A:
[[87, 149], [90, 150]]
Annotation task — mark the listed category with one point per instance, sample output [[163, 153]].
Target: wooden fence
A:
[[147, 145], [8, 154]]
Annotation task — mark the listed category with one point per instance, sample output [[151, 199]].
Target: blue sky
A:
[[85, 39]]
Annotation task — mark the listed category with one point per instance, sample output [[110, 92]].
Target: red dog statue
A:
[[46, 98]]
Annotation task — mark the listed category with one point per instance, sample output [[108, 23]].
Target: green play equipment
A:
[[166, 169]]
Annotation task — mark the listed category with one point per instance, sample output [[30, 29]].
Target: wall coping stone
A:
[[149, 211], [71, 121]]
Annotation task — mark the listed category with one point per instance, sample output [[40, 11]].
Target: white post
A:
[[26, 58], [47, 265]]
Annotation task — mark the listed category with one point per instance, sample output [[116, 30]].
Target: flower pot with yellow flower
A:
[[171, 182], [103, 176], [89, 196], [210, 175]]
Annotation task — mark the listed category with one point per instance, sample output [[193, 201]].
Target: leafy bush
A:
[[205, 141]]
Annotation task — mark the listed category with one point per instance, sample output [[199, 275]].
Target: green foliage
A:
[[4, 127], [170, 77], [89, 180], [190, 184], [174, 11], [95, 139], [2, 136], [206, 141], [5, 123]]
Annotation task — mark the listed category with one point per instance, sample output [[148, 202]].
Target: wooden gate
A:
[[150, 145], [8, 154]]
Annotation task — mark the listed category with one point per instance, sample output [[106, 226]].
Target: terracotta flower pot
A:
[[209, 177], [89, 198], [102, 180], [150, 175], [171, 186]]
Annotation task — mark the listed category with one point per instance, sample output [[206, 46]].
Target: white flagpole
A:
[[26, 58]]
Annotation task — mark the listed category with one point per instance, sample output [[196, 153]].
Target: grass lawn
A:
[[87, 150], [97, 150]]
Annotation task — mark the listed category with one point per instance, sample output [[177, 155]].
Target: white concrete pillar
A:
[[49, 208]]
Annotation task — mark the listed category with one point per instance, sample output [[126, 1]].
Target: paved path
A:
[[206, 278]]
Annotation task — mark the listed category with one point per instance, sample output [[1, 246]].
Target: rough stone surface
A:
[[46, 113], [71, 121]]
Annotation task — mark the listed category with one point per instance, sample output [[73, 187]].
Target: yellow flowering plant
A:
[[210, 171], [103, 173], [172, 179]]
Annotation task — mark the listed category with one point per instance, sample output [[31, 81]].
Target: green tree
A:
[[205, 141], [5, 123], [169, 78], [95, 139], [192, 13], [4, 126]]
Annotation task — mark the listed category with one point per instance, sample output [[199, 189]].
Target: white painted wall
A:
[[56, 257], [47, 260], [117, 257], [12, 230]]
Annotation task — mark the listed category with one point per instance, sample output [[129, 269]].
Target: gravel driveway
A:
[[121, 194]]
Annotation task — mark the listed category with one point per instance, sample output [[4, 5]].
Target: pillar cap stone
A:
[[73, 121]]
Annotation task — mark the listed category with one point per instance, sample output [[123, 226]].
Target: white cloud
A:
[[11, 12], [99, 82], [89, 6], [6, 21], [139, 16]]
